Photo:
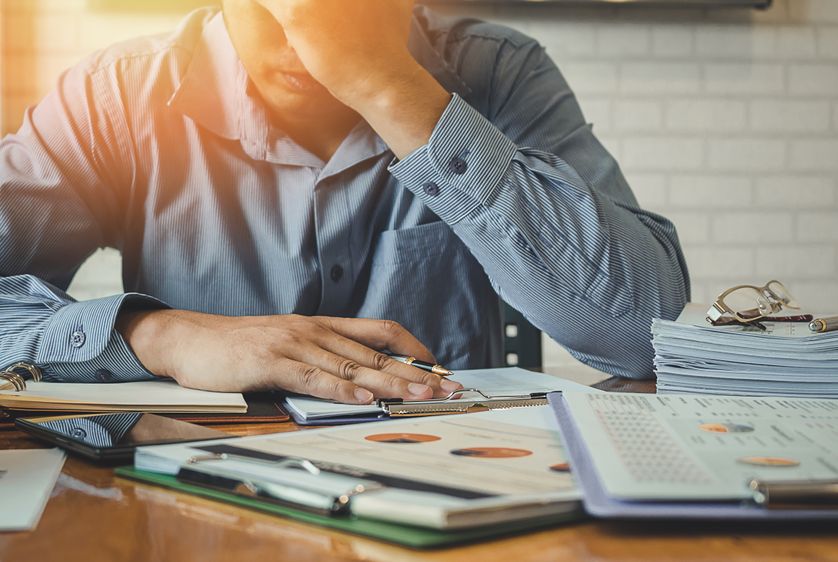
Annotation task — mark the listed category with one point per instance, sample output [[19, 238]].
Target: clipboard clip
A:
[[304, 464], [795, 494], [463, 401], [296, 496]]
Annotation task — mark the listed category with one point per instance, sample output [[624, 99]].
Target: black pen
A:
[[425, 366]]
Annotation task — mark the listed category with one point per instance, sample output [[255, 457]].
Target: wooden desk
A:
[[94, 516]]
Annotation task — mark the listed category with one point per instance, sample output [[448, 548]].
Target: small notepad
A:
[[27, 478]]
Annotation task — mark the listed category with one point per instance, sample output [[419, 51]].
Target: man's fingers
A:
[[382, 385], [314, 381], [380, 335], [377, 361]]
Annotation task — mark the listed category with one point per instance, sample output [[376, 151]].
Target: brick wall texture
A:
[[726, 121]]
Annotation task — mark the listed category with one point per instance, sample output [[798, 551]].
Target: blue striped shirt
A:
[[159, 148]]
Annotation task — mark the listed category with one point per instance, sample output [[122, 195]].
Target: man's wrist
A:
[[403, 106], [367, 89], [149, 335]]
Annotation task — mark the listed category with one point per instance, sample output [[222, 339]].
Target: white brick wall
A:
[[724, 120]]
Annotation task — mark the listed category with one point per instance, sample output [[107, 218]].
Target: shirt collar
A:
[[215, 80], [214, 88]]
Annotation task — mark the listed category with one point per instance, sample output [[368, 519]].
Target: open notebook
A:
[[147, 396]]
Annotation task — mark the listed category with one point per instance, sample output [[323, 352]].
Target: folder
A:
[[600, 502], [422, 482], [405, 535]]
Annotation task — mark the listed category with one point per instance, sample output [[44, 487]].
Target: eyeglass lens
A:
[[748, 302], [782, 294]]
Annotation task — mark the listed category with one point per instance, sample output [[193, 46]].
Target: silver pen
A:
[[826, 324]]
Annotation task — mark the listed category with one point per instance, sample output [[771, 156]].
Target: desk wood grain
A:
[[94, 516]]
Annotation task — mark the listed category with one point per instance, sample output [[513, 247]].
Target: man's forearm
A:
[[581, 265]]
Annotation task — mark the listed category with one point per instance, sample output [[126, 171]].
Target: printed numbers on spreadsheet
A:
[[647, 450]]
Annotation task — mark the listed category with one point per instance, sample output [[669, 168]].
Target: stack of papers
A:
[[786, 359]]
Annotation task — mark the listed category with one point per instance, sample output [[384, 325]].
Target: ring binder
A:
[[11, 379]]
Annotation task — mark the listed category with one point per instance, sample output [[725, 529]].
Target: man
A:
[[296, 180]]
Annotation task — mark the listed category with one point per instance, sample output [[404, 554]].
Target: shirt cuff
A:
[[80, 331], [462, 164], [117, 363]]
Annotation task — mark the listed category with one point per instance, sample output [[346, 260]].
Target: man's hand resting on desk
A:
[[332, 358]]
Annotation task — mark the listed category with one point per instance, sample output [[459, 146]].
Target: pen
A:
[[425, 366], [827, 324]]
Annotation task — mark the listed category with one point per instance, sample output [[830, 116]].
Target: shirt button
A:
[[79, 433], [78, 338], [337, 273], [104, 375], [431, 189], [457, 166]]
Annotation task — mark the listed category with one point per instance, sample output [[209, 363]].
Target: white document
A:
[[148, 396], [506, 465], [648, 447], [27, 478], [492, 382]]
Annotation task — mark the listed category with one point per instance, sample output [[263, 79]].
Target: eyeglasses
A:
[[746, 304]]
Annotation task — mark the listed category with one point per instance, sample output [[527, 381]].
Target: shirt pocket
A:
[[415, 244], [426, 279]]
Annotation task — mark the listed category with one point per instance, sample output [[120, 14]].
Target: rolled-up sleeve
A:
[[544, 208], [63, 179]]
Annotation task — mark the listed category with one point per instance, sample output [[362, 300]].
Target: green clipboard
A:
[[415, 537]]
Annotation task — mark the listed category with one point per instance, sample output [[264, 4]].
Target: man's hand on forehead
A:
[[358, 50], [349, 46]]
